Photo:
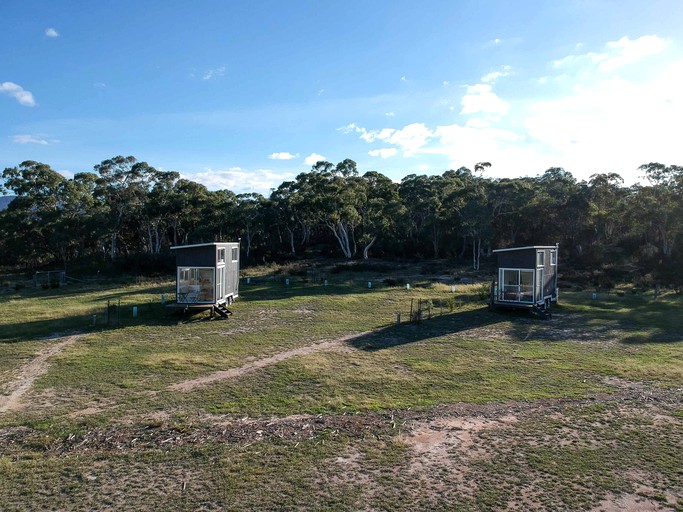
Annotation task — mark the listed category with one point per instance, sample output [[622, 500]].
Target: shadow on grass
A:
[[275, 290], [642, 320], [405, 333], [94, 321]]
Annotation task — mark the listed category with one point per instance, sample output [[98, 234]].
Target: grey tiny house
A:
[[207, 275], [526, 277]]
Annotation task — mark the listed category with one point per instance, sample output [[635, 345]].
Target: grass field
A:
[[311, 397]]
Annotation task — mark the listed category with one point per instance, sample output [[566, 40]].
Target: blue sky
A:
[[245, 95]]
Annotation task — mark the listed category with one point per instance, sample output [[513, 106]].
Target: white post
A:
[[407, 286], [369, 284]]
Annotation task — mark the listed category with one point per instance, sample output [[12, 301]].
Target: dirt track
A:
[[30, 372], [338, 344]]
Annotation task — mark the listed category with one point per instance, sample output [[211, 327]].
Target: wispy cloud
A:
[[383, 153], [492, 77], [17, 92], [51, 32], [213, 73], [99, 85], [29, 139], [239, 180], [409, 139], [616, 54], [285, 155], [313, 159]]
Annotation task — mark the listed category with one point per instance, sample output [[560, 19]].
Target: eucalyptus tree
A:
[[249, 214], [30, 219], [382, 213], [422, 197], [122, 187], [287, 215], [187, 207], [661, 204], [605, 210]]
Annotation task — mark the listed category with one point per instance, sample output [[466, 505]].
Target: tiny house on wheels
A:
[[526, 278], [207, 276]]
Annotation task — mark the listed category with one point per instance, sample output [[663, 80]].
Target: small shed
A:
[[207, 275], [526, 277]]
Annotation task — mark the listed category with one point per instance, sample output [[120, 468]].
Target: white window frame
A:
[[501, 285], [553, 258], [542, 258], [235, 254], [221, 255]]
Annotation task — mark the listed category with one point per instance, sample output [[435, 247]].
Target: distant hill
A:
[[5, 200]]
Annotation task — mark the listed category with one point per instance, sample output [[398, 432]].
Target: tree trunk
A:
[[366, 249], [291, 240], [464, 246], [342, 235], [113, 246]]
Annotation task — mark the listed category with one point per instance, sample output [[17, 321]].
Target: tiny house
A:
[[526, 277], [207, 274]]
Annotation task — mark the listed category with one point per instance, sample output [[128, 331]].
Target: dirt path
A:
[[29, 373], [190, 385]]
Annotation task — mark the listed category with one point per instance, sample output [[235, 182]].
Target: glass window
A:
[[195, 284], [235, 253], [553, 257], [540, 258], [221, 255], [517, 285]]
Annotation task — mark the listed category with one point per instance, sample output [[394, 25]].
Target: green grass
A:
[[120, 375]]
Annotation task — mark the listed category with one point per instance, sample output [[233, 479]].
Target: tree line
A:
[[126, 208]]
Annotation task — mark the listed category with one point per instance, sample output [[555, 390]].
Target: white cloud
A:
[[480, 98], [492, 77], [99, 85], [625, 51], [313, 159], [17, 92], [390, 114], [29, 139], [383, 153], [607, 111], [239, 180], [283, 156], [613, 124], [213, 73], [477, 122], [445, 83], [51, 32], [410, 138], [616, 54], [404, 79]]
